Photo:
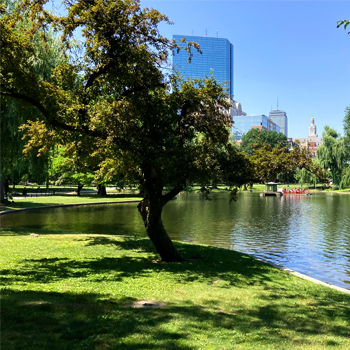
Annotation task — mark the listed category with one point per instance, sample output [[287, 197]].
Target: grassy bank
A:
[[33, 202], [76, 292]]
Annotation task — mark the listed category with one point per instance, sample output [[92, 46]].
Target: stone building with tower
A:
[[312, 141]]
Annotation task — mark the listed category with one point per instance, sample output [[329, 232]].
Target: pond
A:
[[308, 234]]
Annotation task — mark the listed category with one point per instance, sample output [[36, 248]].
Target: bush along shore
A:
[[78, 291]]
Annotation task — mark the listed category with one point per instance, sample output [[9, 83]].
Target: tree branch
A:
[[28, 99], [51, 120], [98, 73], [172, 193]]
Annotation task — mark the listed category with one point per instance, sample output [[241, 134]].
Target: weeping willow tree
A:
[[333, 155], [15, 166], [312, 175], [346, 173]]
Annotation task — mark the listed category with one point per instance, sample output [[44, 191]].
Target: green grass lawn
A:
[[32, 202], [65, 291]]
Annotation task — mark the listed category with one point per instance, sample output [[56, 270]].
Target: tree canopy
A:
[[270, 163], [116, 107], [332, 154], [14, 165], [255, 137]]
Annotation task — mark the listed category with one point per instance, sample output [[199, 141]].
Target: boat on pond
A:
[[296, 192]]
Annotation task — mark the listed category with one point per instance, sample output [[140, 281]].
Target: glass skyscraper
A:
[[217, 56], [280, 118]]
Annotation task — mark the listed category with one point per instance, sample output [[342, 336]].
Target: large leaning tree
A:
[[115, 104]]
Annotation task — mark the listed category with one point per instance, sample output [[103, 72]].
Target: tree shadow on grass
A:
[[232, 268], [128, 243], [42, 320], [284, 313]]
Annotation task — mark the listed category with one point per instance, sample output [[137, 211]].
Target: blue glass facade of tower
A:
[[217, 56]]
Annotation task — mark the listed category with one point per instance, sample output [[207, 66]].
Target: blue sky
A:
[[290, 50]]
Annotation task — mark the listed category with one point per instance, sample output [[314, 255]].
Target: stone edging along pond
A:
[[295, 273], [298, 274]]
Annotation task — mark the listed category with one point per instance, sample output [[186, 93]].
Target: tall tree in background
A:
[[270, 163], [255, 137], [332, 154], [114, 103], [312, 175], [346, 173], [47, 54]]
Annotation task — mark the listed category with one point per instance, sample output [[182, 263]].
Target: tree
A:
[[332, 154], [15, 167], [346, 172], [68, 168], [312, 175], [116, 105], [269, 163], [344, 23], [2, 191], [347, 125], [255, 137]]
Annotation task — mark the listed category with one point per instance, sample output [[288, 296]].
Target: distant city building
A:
[[242, 124], [217, 57], [312, 141], [280, 118], [236, 110]]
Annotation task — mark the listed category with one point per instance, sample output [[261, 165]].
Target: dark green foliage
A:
[[15, 166], [333, 155], [115, 109], [255, 136]]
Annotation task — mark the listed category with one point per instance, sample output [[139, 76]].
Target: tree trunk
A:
[[80, 187], [2, 190], [214, 186], [151, 213], [101, 190], [6, 186]]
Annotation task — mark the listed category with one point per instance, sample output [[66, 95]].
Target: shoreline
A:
[[295, 273], [299, 274]]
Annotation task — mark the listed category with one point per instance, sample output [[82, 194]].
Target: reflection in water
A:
[[309, 234]]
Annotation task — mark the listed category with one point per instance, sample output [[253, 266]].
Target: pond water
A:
[[308, 234]]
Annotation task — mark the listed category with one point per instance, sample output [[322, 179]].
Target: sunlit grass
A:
[[32, 202], [76, 291]]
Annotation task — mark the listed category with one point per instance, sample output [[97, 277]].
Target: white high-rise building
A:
[[280, 118]]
